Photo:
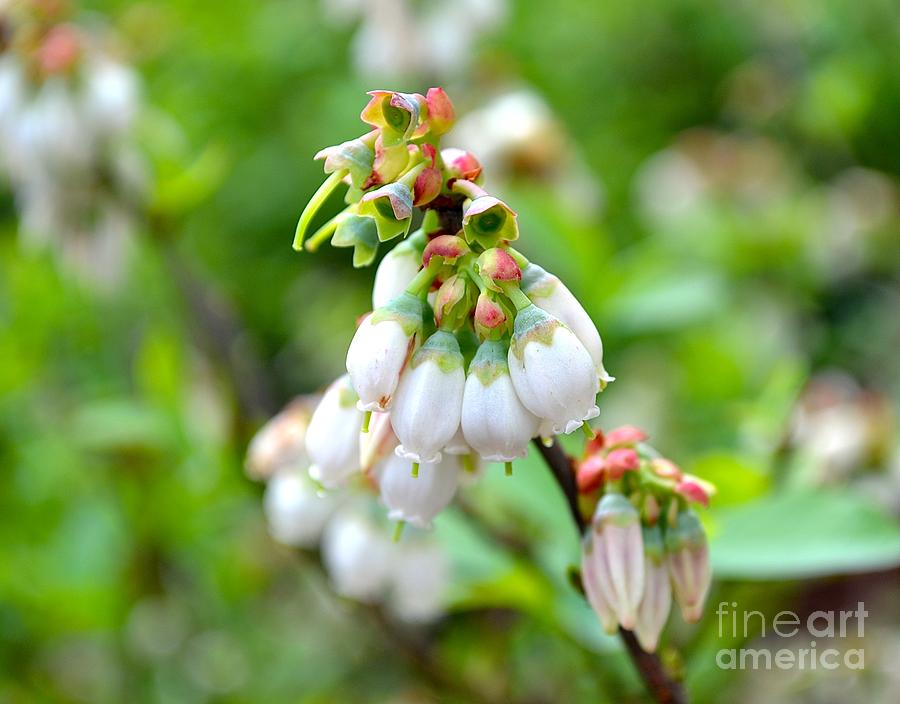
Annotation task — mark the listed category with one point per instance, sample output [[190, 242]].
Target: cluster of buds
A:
[[644, 540], [471, 350], [67, 144], [358, 553]]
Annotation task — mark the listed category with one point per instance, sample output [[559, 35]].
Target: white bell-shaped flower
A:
[[394, 273], [295, 511], [418, 499], [552, 372], [357, 555], [428, 401], [419, 581], [380, 348], [618, 553], [550, 294], [657, 599], [332, 439], [687, 556], [591, 564], [494, 421]]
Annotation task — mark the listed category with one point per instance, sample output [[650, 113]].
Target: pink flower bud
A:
[[496, 265], [665, 469], [590, 474], [619, 552], [60, 50], [461, 164], [688, 561], [620, 461], [596, 443], [657, 599], [450, 247], [692, 491], [429, 181], [489, 316], [440, 111], [626, 435], [453, 301]]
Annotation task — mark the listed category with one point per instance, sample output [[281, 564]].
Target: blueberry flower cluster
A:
[[471, 350], [361, 559], [644, 541]]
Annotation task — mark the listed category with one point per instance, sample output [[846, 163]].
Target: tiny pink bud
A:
[[488, 313], [620, 461], [428, 183], [60, 51], [692, 491], [665, 468], [450, 247], [596, 443], [461, 164], [440, 111], [590, 474], [626, 435], [497, 265], [451, 292]]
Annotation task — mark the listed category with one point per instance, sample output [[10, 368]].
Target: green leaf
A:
[[803, 534]]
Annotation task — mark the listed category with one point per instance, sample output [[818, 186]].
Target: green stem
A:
[[514, 294], [415, 469], [422, 281], [316, 202], [323, 234], [398, 530], [507, 466], [587, 430], [468, 189], [366, 419]]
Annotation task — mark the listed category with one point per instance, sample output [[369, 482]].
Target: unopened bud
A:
[[454, 300], [440, 111], [657, 598], [621, 460], [450, 247], [616, 533], [429, 181], [496, 267], [626, 435], [688, 562], [590, 474], [491, 320], [461, 164]]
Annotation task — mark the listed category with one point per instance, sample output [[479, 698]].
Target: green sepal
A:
[[654, 545], [391, 206], [359, 232], [490, 362], [406, 309], [532, 325], [687, 532], [441, 348]]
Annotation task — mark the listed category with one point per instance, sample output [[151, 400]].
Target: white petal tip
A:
[[401, 451], [374, 406]]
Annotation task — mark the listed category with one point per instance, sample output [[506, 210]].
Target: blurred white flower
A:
[[357, 555], [295, 510], [419, 581]]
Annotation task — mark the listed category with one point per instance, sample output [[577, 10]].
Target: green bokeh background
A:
[[134, 560]]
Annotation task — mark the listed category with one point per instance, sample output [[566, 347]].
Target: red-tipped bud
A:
[[429, 181], [60, 51], [440, 111], [620, 461], [590, 474], [496, 266], [489, 316], [596, 443], [453, 300], [461, 164], [626, 435], [666, 469], [450, 247], [695, 490]]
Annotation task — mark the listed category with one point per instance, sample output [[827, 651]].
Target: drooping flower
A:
[[296, 513], [617, 549], [417, 500], [391, 207], [488, 221], [428, 401], [380, 348], [552, 372], [461, 164], [687, 555], [332, 440], [356, 156], [394, 272], [419, 581], [357, 556], [592, 561], [494, 421], [657, 599], [280, 443], [550, 294]]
